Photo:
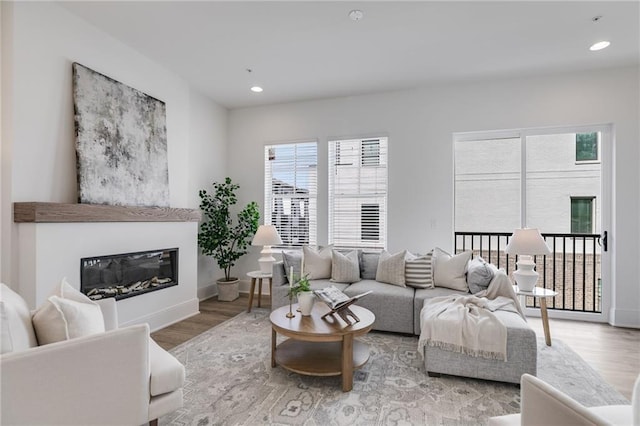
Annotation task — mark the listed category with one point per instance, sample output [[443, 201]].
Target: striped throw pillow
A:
[[418, 272]]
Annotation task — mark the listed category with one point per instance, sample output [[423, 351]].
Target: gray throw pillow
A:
[[368, 265], [479, 275], [292, 259]]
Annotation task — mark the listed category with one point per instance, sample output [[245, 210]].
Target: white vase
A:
[[306, 300]]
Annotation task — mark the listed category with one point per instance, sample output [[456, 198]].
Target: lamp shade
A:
[[267, 235], [527, 241]]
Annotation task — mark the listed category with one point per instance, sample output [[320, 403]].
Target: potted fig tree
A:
[[221, 238]]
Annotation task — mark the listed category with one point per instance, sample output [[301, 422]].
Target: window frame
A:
[[296, 199], [365, 164], [598, 144], [592, 212]]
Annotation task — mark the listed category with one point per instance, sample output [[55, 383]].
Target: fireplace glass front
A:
[[129, 274]]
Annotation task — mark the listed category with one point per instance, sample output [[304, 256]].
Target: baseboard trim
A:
[[207, 291], [211, 290], [168, 316], [624, 318]]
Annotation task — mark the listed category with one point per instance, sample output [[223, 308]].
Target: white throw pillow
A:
[[345, 268], [67, 314], [317, 263], [449, 271], [391, 268], [418, 272], [15, 322], [6, 342]]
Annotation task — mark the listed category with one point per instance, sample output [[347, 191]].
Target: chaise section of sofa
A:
[[521, 355], [423, 294]]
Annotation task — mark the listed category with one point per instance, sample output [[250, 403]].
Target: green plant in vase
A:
[[299, 286], [222, 237], [302, 290]]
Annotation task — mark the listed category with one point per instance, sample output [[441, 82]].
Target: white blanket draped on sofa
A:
[[467, 324]]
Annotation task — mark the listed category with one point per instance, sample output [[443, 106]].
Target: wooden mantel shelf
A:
[[37, 212]]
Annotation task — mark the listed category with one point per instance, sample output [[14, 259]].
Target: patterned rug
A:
[[230, 382]]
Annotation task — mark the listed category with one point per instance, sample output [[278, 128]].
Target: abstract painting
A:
[[121, 142]]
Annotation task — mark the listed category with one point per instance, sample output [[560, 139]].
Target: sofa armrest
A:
[[97, 379], [278, 275], [109, 312]]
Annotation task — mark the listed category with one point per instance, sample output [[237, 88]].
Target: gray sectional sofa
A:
[[397, 309]]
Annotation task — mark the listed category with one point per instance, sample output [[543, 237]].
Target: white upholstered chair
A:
[[542, 404], [119, 377]]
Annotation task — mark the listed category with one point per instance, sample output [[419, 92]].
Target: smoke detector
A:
[[356, 15]]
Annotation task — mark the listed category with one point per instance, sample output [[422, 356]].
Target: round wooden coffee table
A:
[[320, 347]]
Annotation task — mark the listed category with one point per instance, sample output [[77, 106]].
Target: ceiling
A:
[[311, 49]]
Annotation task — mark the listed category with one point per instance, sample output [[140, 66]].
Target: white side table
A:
[[542, 294], [258, 275]]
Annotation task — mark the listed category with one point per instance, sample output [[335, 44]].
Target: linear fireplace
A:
[[129, 274]]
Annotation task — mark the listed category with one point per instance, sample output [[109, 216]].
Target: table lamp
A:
[[266, 236], [526, 243]]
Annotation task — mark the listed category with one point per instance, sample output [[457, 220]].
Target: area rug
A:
[[230, 382]]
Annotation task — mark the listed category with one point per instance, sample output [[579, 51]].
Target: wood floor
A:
[[612, 351]]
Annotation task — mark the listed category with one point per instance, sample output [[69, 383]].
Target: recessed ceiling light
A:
[[599, 45], [256, 89], [356, 15]]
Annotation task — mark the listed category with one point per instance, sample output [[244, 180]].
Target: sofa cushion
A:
[[417, 270], [449, 271], [391, 268], [345, 268], [319, 284], [167, 373], [17, 329], [317, 263], [65, 315], [479, 274], [392, 305], [368, 265]]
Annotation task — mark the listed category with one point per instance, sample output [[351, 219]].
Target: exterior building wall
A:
[[488, 184]]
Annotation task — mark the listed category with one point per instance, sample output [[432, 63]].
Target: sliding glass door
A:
[[551, 179]]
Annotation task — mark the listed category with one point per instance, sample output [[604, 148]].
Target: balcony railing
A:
[[572, 269]]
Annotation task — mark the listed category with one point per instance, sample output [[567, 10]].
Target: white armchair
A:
[[118, 377], [542, 404]]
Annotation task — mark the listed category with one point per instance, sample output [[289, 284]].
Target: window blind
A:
[[290, 191], [358, 193]]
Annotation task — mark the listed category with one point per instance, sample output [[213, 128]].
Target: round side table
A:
[[542, 294], [259, 276]]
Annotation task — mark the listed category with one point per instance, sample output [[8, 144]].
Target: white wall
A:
[[420, 124], [40, 41], [5, 135], [207, 163]]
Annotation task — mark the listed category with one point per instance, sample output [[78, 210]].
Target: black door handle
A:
[[604, 241]]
